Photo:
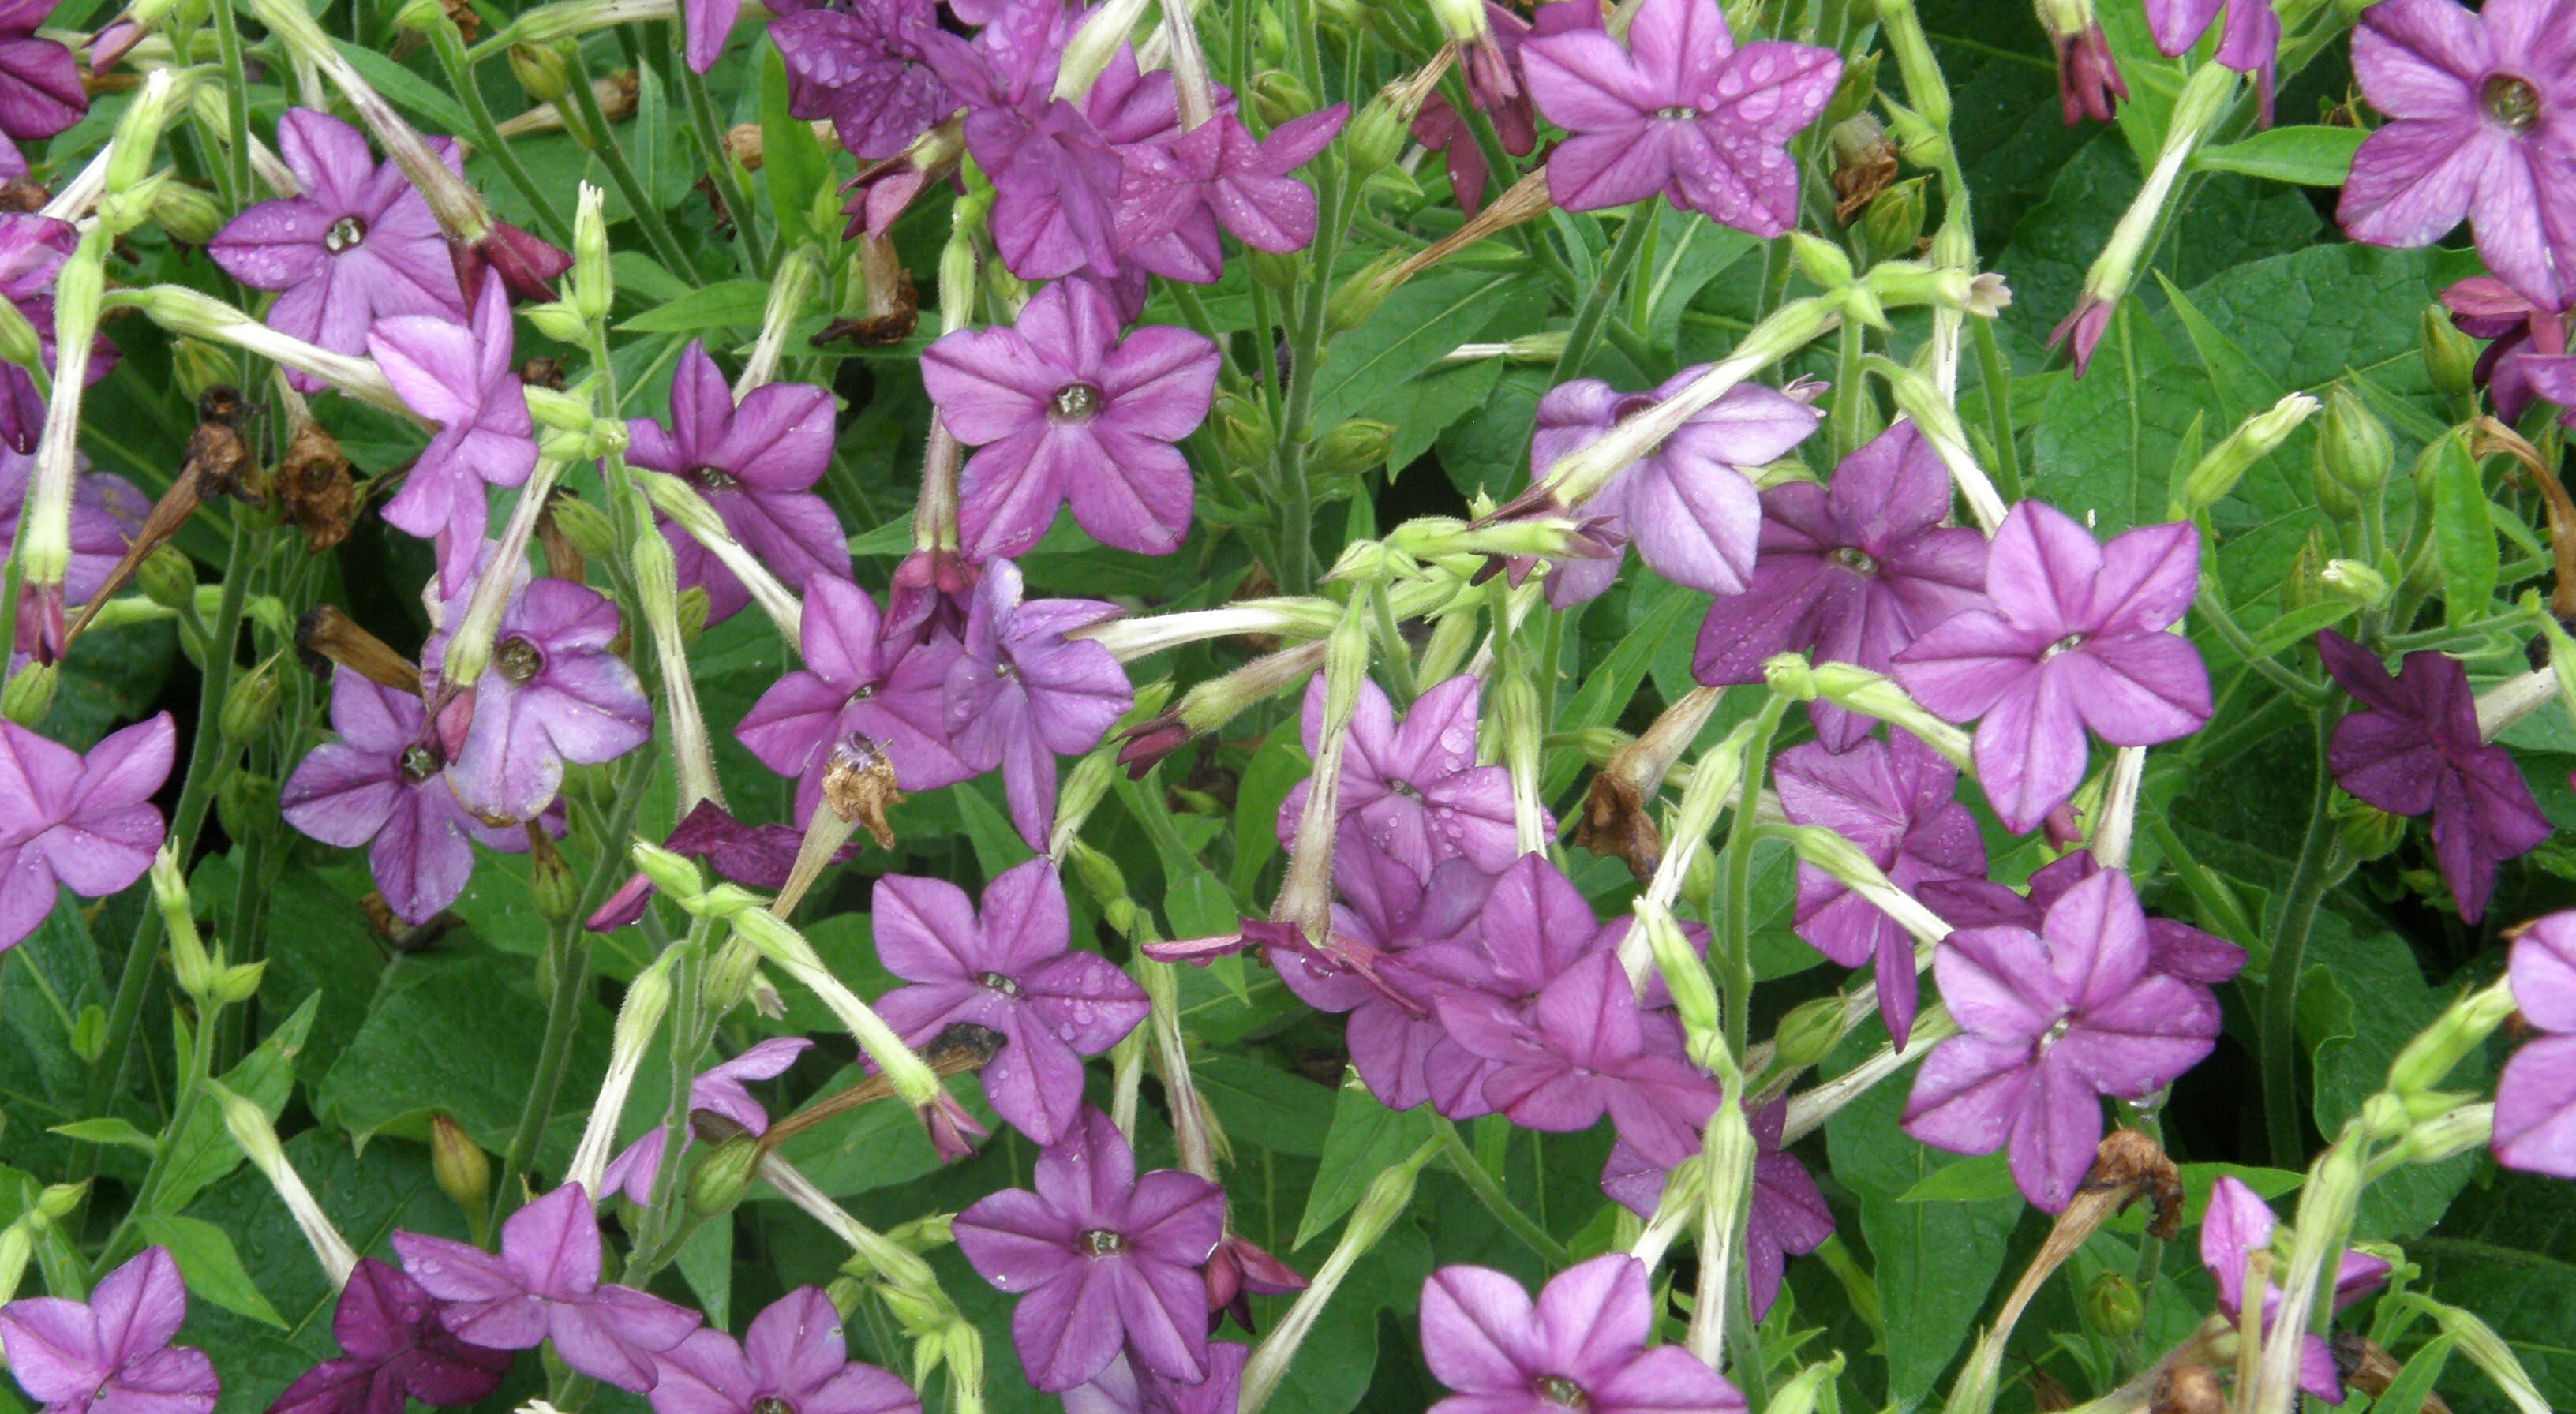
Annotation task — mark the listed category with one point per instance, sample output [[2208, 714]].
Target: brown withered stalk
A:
[[1618, 811], [218, 463], [2490, 437], [326, 634]]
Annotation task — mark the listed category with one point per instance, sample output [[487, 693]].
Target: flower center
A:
[[347, 233], [419, 763], [1074, 402], [1405, 789], [518, 659], [2512, 101], [771, 1404], [2068, 644], [1855, 559], [1560, 1392], [1678, 113], [1101, 1242], [707, 478], [2056, 1032], [996, 982], [1629, 407]]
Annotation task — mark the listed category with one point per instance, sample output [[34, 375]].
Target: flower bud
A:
[[2353, 580], [1808, 1034], [17, 1244], [721, 1178], [1893, 223], [2450, 357], [2366, 831], [138, 130], [557, 320], [676, 875], [1824, 263], [168, 578], [56, 1201], [694, 606], [2304, 585], [1376, 137], [1279, 98], [191, 217], [1098, 872], [463, 1171], [190, 966], [28, 693], [2112, 1307], [2256, 438], [238, 983], [1276, 271], [1244, 436], [1357, 299], [551, 885], [1684, 973], [2423, 1063], [2353, 445], [1351, 447], [593, 288], [250, 704], [242, 799], [541, 71]]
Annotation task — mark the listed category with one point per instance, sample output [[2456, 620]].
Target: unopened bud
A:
[[18, 341], [1279, 98], [57, 1201], [191, 217], [1684, 974], [2366, 831], [243, 799], [238, 983], [2450, 356], [593, 287], [722, 1177], [585, 525], [1357, 299], [541, 71], [2304, 584], [463, 1170], [694, 606], [29, 693], [190, 966], [17, 1244], [557, 320], [1276, 271], [250, 704], [168, 578], [2423, 1063], [1098, 872], [2254, 439], [1893, 223], [1824, 263], [1808, 1034], [2353, 580], [551, 885], [675, 875], [1351, 447], [1376, 137], [2112, 1307], [1244, 436], [2353, 445]]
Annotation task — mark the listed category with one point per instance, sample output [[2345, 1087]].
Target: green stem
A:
[[666, 1221], [612, 155], [1736, 956], [1997, 378], [459, 68], [1306, 350], [1462, 1162], [1586, 330], [730, 189], [2280, 1039], [2241, 643], [1396, 657], [228, 45]]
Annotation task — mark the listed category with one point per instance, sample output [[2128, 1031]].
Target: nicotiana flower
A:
[[792, 1357], [1376, 968], [355, 244], [2249, 43], [2482, 123], [1237, 1271], [2073, 637], [2088, 79], [2050, 1022], [756, 464], [1682, 110], [544, 1285], [861, 66], [2521, 336], [1021, 694], [1123, 1389], [718, 1088], [1055, 174], [2416, 750], [40, 83], [1175, 196], [32, 250], [552, 693], [1689, 508], [393, 1347], [2535, 1103], [1582, 1345], [2173, 949], [1101, 1259], [460, 378], [1853, 570], [1412, 791], [1013, 969], [83, 821], [112, 1352], [1066, 411], [2239, 1224], [1785, 1217], [855, 683]]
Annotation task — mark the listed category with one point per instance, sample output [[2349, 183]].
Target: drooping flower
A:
[[2173, 949], [2049, 1022], [1854, 571], [552, 693], [1123, 1389], [2239, 1224], [1021, 694], [40, 83], [1689, 508], [2482, 124], [355, 244], [2416, 750], [1894, 800], [2074, 637], [1011, 968], [544, 1285], [2250, 42], [1785, 1217], [460, 378], [32, 251], [861, 66], [393, 1347], [1236, 1272], [855, 683], [1682, 110], [1412, 790], [111, 1352], [2535, 1103], [754, 856], [1582, 1345], [1101, 1259], [2088, 79], [792, 1357], [1066, 411], [1399, 939], [82, 821], [718, 1088], [2521, 336], [1496, 89], [1175, 196]]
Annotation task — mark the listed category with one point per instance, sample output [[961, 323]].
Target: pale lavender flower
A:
[[81, 821], [2250, 42], [1582, 1345], [552, 693], [1021, 694], [2535, 1102], [393, 1347], [112, 1352], [1412, 790], [718, 1089], [460, 378], [791, 1358], [2173, 949], [1055, 174], [855, 683], [2239, 1224], [32, 251]]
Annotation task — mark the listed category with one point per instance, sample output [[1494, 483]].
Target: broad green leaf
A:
[[109, 1130], [706, 1263], [2301, 624], [1365, 1140], [1980, 1179], [997, 841], [462, 1041], [1264, 1107], [1422, 408], [2507, 1249], [1416, 325], [43, 1080], [2464, 542], [792, 166], [209, 1265], [1274, 770], [2406, 1393], [2312, 155], [892, 538], [726, 304]]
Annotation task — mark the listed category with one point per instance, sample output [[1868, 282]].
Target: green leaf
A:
[[462, 1041], [1416, 325], [1263, 1106], [2464, 542], [792, 165], [2406, 1393], [1365, 1140], [209, 1265], [726, 304], [2510, 1247], [1421, 409], [2310, 156], [2299, 625], [405, 89], [997, 841], [1981, 1179], [1198, 905], [892, 538], [204, 1151], [110, 1130]]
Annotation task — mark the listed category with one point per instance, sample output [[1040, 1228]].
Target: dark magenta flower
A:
[[1055, 174], [1381, 969], [792, 1358], [40, 83], [1236, 1272], [81, 821], [2173, 949], [1021, 694], [1582, 1345], [860, 65], [2088, 78], [393, 1347], [1786, 1217], [1175, 196], [553, 692], [1495, 88], [112, 1352], [462, 379], [718, 1088], [1412, 791], [1101, 1259], [2250, 42], [2238, 1225], [754, 856], [855, 683], [2535, 1102], [2522, 337], [1586, 1048], [1122, 1389]]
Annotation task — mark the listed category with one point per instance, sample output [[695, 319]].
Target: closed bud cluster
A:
[[1279, 98], [541, 71], [168, 578], [1351, 447], [2366, 832], [190, 216], [2353, 580], [1808, 1034], [1694, 995], [1376, 137], [594, 289], [2425, 1062], [1358, 298]]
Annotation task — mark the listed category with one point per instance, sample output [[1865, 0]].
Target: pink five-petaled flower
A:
[[1055, 173], [553, 692], [40, 83], [2417, 750], [1681, 110], [1012, 969], [1854, 571], [2088, 78], [460, 378], [393, 1347], [544, 1285], [2535, 1104], [1101, 1259], [1785, 1217], [1687, 506], [2073, 636], [1381, 969], [1581, 1346], [2238, 1225], [791, 1358], [1064, 410], [1894, 800], [2174, 949], [2049, 1022], [855, 683], [32, 250], [2250, 43], [85, 822], [719, 1089], [355, 244], [1175, 196], [861, 66], [111, 1352], [1021, 694], [1412, 790], [2482, 124]]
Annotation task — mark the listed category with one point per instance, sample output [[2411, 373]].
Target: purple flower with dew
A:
[[1853, 571], [2073, 637], [460, 378], [2173, 949], [1682, 110], [355, 244], [1379, 968], [2238, 1225], [113, 1351], [2249, 43], [1582, 1345], [1021, 694], [2535, 1102], [1101, 1259], [393, 1347], [1174, 197], [754, 856], [40, 83], [2049, 1022], [2522, 336], [791, 1358], [854, 683], [81, 821], [756, 464], [1121, 1389], [1895, 801], [1495, 89], [544, 1285], [1064, 410], [1787, 1217], [718, 1088], [1688, 508], [1011, 968], [106, 511], [2482, 124], [2415, 749], [1055, 173], [861, 66], [1412, 790], [1586, 1048], [554, 692], [32, 250]]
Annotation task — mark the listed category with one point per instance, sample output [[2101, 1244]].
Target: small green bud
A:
[[2353, 580], [463, 1170], [2423, 1063], [241, 801], [1270, 33], [1244, 436], [845, 1296], [1918, 141], [2112, 1307], [1279, 98], [723, 1176], [168, 578], [30, 691], [2366, 831], [1098, 872], [250, 704], [1356, 300], [693, 610], [2333, 497], [541, 71], [1825, 264], [1685, 974], [1351, 447], [2305, 582], [557, 320], [190, 216], [1699, 878], [238, 983], [418, 16], [551, 885], [1893, 223], [1120, 914], [2353, 445], [676, 875], [1808, 1034], [2254, 439], [594, 289], [1276, 271], [2450, 357], [57, 1200], [1375, 138], [585, 525], [925, 1232]]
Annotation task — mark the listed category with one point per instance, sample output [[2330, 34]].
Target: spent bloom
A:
[[1494, 88], [83, 821], [855, 683], [718, 1088], [1581, 1345], [40, 83], [113, 1351], [2535, 1104], [2249, 42], [2088, 78], [861, 67], [1412, 791], [461, 378], [393, 1347], [2238, 1225], [791, 1357], [754, 856], [553, 692], [1021, 693]]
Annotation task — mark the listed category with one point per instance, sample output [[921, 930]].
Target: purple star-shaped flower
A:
[[393, 1347], [1682, 110], [2482, 124], [32, 250], [1012, 969], [2173, 949], [1688, 508], [1021, 694], [1055, 173], [544, 1285], [1585, 1049], [112, 1351], [553, 692], [1064, 410], [2074, 637], [85, 822], [2238, 1224], [460, 378], [40, 83], [1381, 972], [1894, 799], [792, 1357], [1853, 571], [1122, 1389], [718, 1088], [2050, 1021], [754, 856], [2250, 43], [355, 244], [2522, 336], [1101, 1259], [1175, 196], [1412, 790], [855, 683], [861, 67], [2535, 1102], [1582, 1345], [2416, 750]]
